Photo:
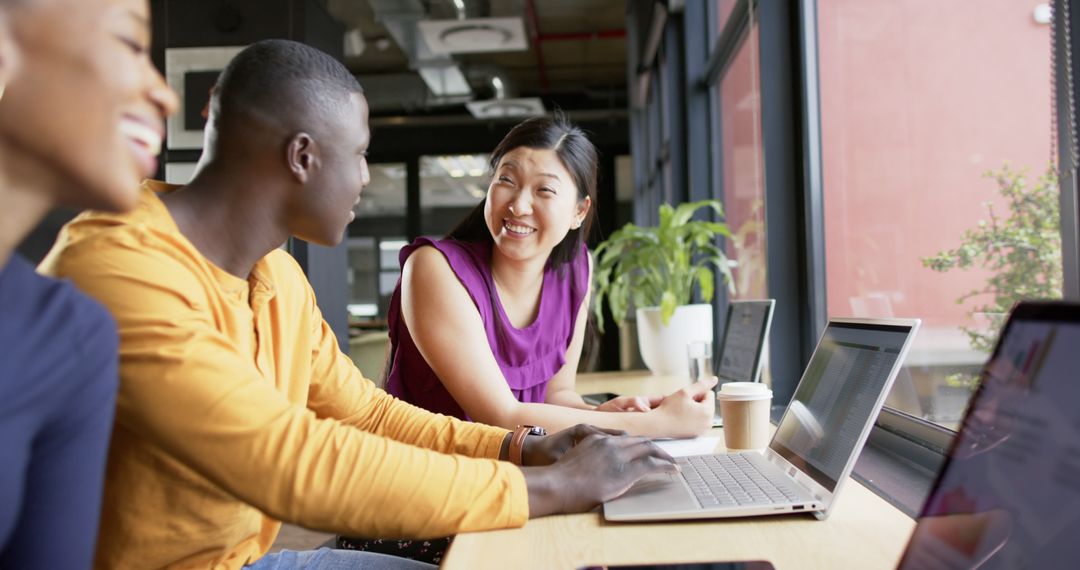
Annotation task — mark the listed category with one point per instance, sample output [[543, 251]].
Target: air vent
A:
[[498, 108], [474, 35]]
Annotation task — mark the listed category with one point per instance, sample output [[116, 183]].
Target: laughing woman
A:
[[488, 323], [81, 115]]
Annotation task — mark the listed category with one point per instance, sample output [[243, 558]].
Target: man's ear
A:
[[302, 156], [209, 102]]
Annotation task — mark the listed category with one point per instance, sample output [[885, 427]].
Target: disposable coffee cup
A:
[[745, 409]]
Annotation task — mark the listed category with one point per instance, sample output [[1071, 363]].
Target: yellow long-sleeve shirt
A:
[[237, 410]]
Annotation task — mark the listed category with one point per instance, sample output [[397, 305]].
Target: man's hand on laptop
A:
[[596, 468], [539, 451]]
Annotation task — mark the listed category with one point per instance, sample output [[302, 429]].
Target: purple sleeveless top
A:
[[528, 356]]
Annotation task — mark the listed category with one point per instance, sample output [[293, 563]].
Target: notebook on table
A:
[[1008, 495], [814, 447]]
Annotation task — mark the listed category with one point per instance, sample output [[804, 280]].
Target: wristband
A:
[[517, 442]]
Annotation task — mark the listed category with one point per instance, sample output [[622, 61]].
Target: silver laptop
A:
[[814, 447], [742, 348]]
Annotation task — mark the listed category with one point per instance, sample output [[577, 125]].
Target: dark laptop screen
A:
[[837, 397], [1009, 494], [744, 337]]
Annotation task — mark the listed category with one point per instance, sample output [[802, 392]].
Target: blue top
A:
[[58, 383], [528, 356]]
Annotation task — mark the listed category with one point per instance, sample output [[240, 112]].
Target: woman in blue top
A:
[[81, 119]]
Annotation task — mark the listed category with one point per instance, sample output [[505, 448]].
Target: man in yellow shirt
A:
[[236, 408]]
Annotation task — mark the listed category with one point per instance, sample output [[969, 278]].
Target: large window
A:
[[936, 121], [723, 13], [450, 187], [742, 166], [655, 140], [736, 147], [379, 228]]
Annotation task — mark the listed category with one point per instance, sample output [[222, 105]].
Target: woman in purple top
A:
[[488, 323]]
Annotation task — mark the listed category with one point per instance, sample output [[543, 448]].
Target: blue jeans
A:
[[326, 559]]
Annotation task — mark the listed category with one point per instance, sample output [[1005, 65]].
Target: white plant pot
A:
[[663, 348]]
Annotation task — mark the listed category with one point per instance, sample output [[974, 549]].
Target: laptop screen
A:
[[837, 396], [1009, 493], [744, 337]]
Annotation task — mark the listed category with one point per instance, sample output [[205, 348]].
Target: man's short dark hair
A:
[[283, 83]]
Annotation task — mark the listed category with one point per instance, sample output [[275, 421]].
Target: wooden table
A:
[[864, 531]]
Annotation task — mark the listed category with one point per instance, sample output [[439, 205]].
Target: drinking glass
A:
[[700, 359]]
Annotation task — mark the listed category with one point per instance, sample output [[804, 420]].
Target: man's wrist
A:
[[530, 450], [543, 497], [523, 436], [504, 449]]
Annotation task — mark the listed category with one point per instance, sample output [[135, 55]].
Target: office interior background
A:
[[850, 142]]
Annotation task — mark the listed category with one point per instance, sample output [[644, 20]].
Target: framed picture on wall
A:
[[192, 72]]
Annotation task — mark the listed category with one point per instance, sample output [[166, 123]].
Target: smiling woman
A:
[[488, 323], [85, 118], [81, 122]]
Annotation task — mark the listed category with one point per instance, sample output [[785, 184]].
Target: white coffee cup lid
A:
[[743, 391]]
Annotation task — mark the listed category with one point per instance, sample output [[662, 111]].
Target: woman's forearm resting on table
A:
[[567, 398], [654, 423]]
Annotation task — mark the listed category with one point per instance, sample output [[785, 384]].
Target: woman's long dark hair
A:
[[578, 156]]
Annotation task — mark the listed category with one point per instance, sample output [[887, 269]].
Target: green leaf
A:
[[686, 211], [668, 304], [705, 282]]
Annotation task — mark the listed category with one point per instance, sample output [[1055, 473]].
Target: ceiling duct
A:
[[493, 77], [504, 102], [439, 71], [403, 93], [429, 44], [465, 9]]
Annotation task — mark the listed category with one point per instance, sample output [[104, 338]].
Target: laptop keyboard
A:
[[732, 480]]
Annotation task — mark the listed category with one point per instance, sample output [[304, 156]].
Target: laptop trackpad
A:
[[653, 494]]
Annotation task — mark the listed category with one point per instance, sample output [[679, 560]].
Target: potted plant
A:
[[656, 270], [1021, 251]]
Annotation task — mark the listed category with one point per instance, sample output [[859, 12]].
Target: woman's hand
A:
[[630, 404], [687, 412]]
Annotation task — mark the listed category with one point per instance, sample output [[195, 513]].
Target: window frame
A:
[[793, 272], [1066, 127], [904, 452]]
